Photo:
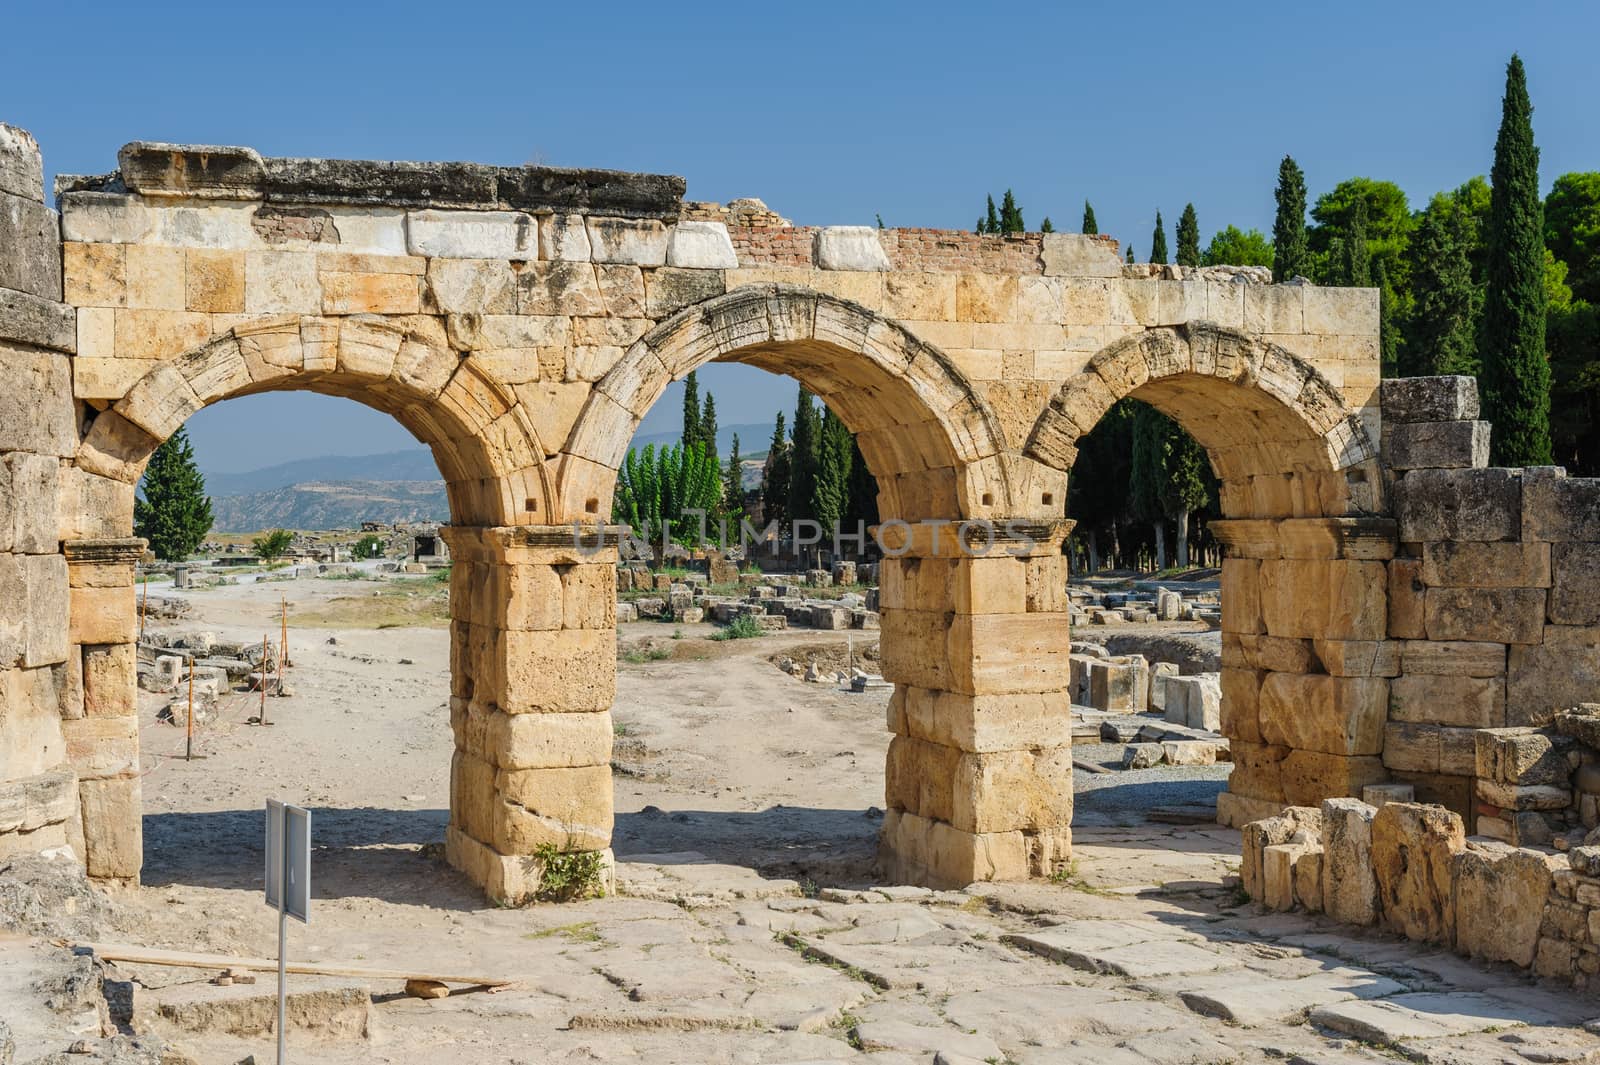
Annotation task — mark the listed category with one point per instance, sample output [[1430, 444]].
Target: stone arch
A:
[[1278, 433], [929, 436], [482, 439]]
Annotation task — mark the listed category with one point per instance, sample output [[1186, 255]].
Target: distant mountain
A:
[[331, 505], [413, 464]]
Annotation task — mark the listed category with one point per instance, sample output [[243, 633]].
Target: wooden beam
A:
[[153, 956]]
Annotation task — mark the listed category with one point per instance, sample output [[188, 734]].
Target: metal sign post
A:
[[288, 885]]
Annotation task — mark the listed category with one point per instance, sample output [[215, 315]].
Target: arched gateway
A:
[[520, 321]]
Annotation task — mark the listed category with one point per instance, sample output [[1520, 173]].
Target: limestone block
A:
[[36, 412], [1481, 505], [919, 777], [701, 246], [103, 615], [1316, 712], [1453, 658], [105, 218], [1113, 686], [1241, 595], [32, 238], [1337, 600], [94, 275], [30, 500], [112, 826], [1562, 672], [281, 282], [1341, 311], [155, 278], [1277, 869], [637, 242], [1349, 886], [1311, 776], [1523, 796], [1500, 895], [1198, 698], [1462, 701], [474, 286], [1003, 791], [1558, 508], [622, 295], [1501, 615], [1278, 654], [1523, 756], [109, 677], [1407, 597], [214, 281], [1429, 399], [21, 168], [1240, 714], [370, 293], [1079, 255], [1413, 852], [1308, 878], [1486, 565], [564, 237], [849, 248], [668, 290], [38, 584], [569, 808], [472, 234], [569, 670], [1359, 658], [1257, 770], [1437, 445], [984, 723], [1575, 589], [1257, 837], [100, 747], [920, 850], [1411, 747]]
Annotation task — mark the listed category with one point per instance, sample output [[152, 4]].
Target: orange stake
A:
[[188, 743]]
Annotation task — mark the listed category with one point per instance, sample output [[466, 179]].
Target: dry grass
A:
[[396, 604]]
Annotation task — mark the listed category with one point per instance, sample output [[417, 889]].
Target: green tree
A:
[[879, 219], [691, 409], [733, 486], [1047, 226], [1232, 246], [1158, 242], [1357, 266], [991, 218], [1089, 224], [1130, 252], [1380, 211], [659, 486], [172, 510], [1010, 215], [830, 492], [1572, 230], [1167, 480], [1097, 489], [369, 546], [803, 452], [1289, 254], [274, 544], [863, 506], [1442, 333], [1388, 326], [1188, 237], [1516, 373], [775, 477], [708, 424]]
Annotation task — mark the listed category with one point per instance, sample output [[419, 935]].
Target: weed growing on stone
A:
[[568, 875]]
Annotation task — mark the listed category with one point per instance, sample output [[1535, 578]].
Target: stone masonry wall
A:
[[41, 683]]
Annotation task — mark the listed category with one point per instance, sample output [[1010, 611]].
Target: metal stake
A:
[[188, 742], [283, 971], [263, 679]]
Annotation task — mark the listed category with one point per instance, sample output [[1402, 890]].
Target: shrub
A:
[[743, 627], [274, 544], [568, 875]]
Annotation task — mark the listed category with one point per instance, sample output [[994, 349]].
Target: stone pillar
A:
[[975, 638], [38, 433], [102, 729], [533, 675]]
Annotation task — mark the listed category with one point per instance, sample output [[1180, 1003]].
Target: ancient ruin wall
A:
[[522, 320]]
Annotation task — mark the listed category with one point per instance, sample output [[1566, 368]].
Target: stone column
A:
[[976, 640], [102, 726], [38, 432], [533, 675]]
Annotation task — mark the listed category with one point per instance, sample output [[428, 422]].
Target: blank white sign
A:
[[289, 859]]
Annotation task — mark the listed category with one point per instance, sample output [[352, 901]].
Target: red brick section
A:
[[933, 251]]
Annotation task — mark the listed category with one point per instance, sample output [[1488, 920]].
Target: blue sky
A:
[[830, 112]]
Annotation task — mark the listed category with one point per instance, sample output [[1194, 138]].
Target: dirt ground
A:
[[748, 925]]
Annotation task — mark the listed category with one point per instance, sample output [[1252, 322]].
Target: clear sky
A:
[[831, 113]]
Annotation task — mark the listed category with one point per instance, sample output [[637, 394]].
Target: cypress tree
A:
[[1090, 226], [1158, 242], [1388, 328], [1516, 374], [803, 457], [1442, 338], [691, 409], [1130, 253], [174, 513], [1047, 226], [775, 477], [863, 505], [708, 425], [1010, 215], [733, 486], [1188, 237], [830, 492], [1289, 227], [991, 218]]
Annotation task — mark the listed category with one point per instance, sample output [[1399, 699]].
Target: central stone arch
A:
[[1304, 581]]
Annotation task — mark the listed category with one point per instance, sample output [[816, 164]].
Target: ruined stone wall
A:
[[41, 697]]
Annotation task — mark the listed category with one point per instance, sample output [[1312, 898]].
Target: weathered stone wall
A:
[[41, 684], [521, 321]]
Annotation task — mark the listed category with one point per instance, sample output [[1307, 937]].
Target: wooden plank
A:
[[154, 956]]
